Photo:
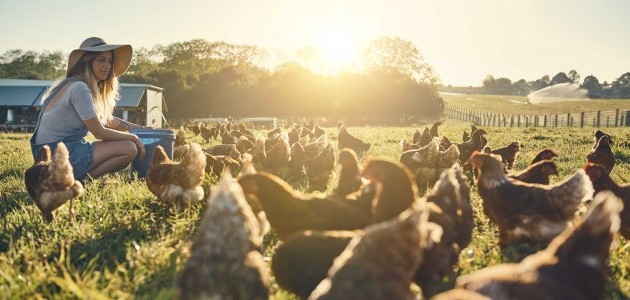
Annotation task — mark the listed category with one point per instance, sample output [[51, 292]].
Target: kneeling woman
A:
[[83, 102]]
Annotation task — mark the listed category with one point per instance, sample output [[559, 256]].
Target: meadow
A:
[[123, 244], [518, 104]]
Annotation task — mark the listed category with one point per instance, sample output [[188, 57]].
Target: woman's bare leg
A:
[[111, 156]]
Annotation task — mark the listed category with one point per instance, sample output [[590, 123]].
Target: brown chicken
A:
[[449, 206], [425, 138], [396, 190], [230, 150], [508, 153], [475, 143], [465, 136], [195, 128], [180, 138], [597, 135], [434, 129], [319, 169], [216, 164], [527, 212], [602, 154], [537, 173], [289, 211], [601, 182], [207, 133], [177, 184], [380, 263], [573, 266], [543, 155], [50, 182], [244, 130], [350, 174], [225, 262], [296, 172], [346, 140]]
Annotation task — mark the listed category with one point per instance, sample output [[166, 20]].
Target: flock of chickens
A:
[[385, 225]]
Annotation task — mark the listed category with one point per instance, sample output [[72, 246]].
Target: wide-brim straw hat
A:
[[122, 54]]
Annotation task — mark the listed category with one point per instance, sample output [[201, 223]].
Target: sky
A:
[[464, 41]]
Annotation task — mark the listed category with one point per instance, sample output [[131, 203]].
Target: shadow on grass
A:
[[13, 202], [161, 283]]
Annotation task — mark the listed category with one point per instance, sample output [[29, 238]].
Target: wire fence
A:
[[610, 118]]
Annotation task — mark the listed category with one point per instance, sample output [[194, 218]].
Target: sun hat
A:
[[122, 54]]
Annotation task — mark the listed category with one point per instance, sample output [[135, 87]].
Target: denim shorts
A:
[[81, 155]]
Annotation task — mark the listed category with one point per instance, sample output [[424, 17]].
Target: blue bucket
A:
[[151, 138]]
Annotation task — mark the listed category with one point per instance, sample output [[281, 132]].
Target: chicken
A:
[[244, 130], [180, 151], [289, 211], [573, 266], [508, 153], [598, 134], [278, 152], [346, 140], [527, 212], [601, 182], [225, 262], [302, 261], [318, 131], [450, 208], [50, 182], [315, 147], [350, 174], [180, 138], [225, 149], [434, 129], [445, 143], [296, 171], [537, 173], [195, 128], [465, 137], [177, 184], [207, 133], [416, 136], [319, 169], [396, 189], [474, 144], [216, 164], [380, 263], [543, 155], [294, 134], [602, 154], [425, 138]]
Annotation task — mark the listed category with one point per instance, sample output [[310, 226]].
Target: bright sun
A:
[[337, 51]]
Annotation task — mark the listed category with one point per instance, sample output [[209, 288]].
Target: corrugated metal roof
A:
[[25, 92]]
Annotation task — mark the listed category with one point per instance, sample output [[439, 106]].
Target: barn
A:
[[20, 103]]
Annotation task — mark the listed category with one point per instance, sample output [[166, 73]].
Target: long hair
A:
[[105, 93]]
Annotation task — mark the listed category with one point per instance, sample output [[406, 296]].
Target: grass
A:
[[517, 104], [124, 244]]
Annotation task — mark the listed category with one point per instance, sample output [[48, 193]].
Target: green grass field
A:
[[124, 244], [518, 105]]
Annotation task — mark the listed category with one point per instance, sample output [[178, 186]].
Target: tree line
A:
[[618, 89], [202, 78]]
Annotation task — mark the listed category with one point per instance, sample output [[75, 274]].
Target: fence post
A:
[[526, 121], [569, 120], [545, 121], [616, 117], [518, 120], [582, 119], [599, 117], [607, 121], [512, 121]]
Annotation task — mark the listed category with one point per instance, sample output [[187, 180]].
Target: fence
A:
[[611, 118]]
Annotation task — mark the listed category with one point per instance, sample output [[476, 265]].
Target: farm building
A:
[[20, 102]]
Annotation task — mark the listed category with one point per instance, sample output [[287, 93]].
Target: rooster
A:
[[537, 173], [602, 154], [50, 182], [508, 153], [434, 129], [573, 266], [177, 184], [475, 143], [350, 174], [346, 140], [225, 262], [527, 212], [601, 182], [289, 211], [207, 133], [380, 263], [195, 128]]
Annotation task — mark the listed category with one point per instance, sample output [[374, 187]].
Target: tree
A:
[[621, 86], [521, 87], [398, 55], [592, 85], [540, 83], [19, 64], [560, 78], [574, 76]]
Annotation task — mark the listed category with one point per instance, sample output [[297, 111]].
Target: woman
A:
[[84, 101]]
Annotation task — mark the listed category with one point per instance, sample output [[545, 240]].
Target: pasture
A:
[[123, 244], [518, 104]]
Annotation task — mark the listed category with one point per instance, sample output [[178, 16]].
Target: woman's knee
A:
[[130, 150]]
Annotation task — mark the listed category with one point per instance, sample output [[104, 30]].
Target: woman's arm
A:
[[122, 125], [106, 134]]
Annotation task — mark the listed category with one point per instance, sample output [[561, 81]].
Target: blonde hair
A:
[[105, 93]]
